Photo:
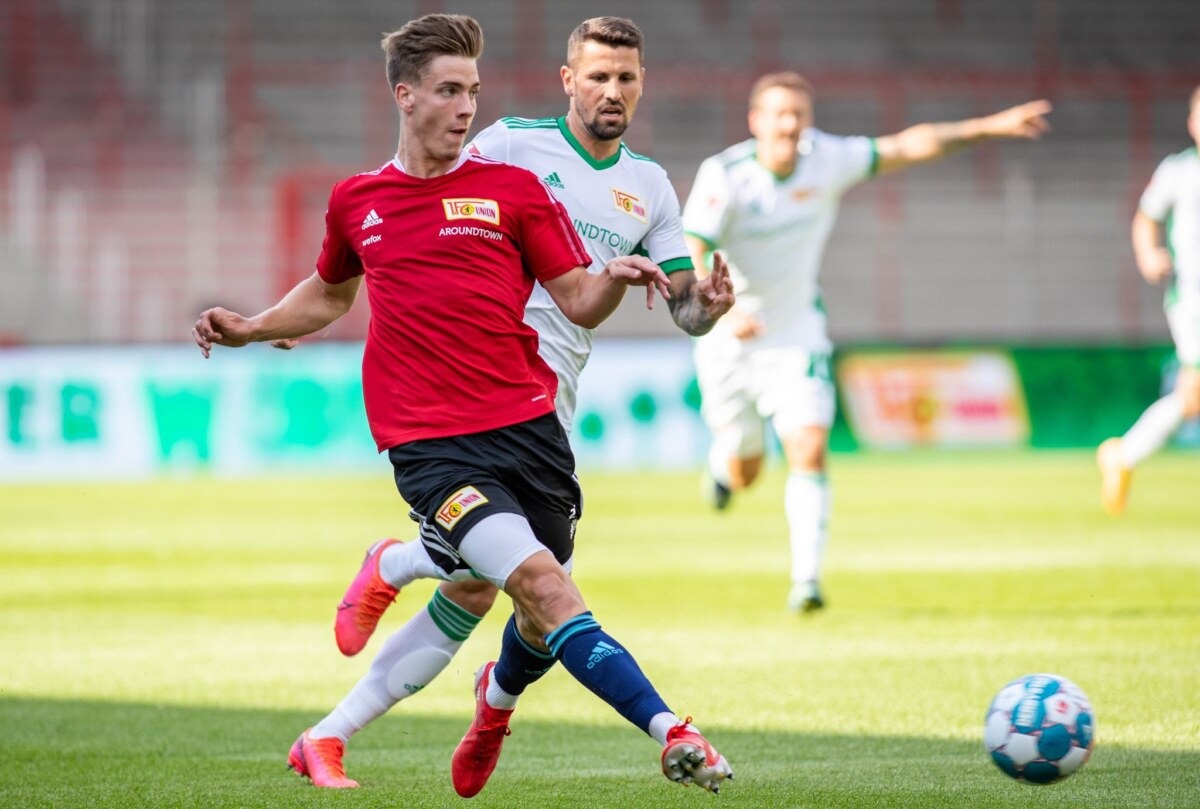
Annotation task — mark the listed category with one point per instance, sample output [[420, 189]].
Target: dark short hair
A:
[[787, 78], [411, 49], [616, 32]]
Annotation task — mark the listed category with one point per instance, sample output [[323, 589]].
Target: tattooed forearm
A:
[[687, 308]]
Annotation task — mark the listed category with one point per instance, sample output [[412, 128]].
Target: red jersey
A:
[[449, 263]]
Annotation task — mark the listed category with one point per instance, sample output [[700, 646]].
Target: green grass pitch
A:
[[161, 645]]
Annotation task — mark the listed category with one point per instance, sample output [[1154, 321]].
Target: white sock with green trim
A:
[[1152, 430], [806, 498], [408, 661]]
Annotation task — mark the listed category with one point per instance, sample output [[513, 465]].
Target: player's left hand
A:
[[715, 290], [639, 271], [1026, 120], [286, 343]]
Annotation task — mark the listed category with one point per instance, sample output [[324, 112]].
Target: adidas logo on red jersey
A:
[[372, 220]]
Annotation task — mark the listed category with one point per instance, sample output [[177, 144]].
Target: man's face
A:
[[778, 118], [1194, 121], [440, 107], [604, 85]]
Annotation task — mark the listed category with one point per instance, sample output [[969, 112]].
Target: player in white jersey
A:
[[1166, 245], [769, 205], [621, 203]]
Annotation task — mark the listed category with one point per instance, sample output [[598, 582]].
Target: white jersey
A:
[[620, 206], [1173, 199], [772, 231]]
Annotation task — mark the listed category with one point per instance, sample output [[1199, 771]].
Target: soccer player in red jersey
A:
[[450, 244]]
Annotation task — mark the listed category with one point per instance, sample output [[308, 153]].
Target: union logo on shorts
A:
[[485, 210], [457, 505], [627, 203]]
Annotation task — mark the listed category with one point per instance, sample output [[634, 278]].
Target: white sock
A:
[[1152, 430], [660, 723], [497, 697], [718, 465], [403, 563], [806, 497], [407, 662]]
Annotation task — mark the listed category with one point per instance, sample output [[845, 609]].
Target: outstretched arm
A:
[[310, 306], [1153, 258], [926, 142], [587, 299], [697, 301]]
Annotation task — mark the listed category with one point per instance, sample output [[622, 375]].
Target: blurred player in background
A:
[[1166, 245], [769, 204], [621, 203]]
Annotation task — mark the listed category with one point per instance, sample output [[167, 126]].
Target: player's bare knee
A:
[[545, 596], [744, 471], [806, 451], [1191, 404], [1187, 387], [474, 596]]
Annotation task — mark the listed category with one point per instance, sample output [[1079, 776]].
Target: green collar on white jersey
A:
[[608, 162]]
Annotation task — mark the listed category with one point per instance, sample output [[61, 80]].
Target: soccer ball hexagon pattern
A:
[[1040, 728]]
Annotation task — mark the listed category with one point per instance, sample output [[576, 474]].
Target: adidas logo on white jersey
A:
[[372, 220], [552, 180]]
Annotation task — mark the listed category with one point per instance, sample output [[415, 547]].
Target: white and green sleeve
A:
[[664, 244], [1159, 197], [853, 159], [706, 214]]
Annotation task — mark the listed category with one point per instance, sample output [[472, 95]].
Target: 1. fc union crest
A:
[[627, 203], [457, 505], [485, 210]]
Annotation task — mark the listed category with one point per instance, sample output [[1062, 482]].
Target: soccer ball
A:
[[1040, 728]]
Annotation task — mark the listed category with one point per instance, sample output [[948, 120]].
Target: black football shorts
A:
[[452, 483]]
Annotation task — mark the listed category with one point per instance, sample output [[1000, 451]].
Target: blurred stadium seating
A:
[[159, 155]]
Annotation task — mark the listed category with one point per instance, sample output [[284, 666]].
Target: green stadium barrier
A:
[[1080, 396], [128, 412], [1076, 395]]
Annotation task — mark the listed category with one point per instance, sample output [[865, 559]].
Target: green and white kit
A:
[[772, 231], [620, 206], [1173, 199]]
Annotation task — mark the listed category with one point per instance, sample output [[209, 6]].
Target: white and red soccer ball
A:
[[1040, 728]]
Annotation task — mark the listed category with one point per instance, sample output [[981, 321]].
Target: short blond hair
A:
[[411, 48], [1195, 99], [787, 78]]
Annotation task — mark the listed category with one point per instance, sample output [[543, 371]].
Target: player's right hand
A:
[[1026, 120], [1157, 265], [221, 327]]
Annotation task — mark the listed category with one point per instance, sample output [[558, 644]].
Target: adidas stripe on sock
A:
[[607, 669]]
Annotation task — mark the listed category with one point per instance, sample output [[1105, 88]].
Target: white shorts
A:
[[1183, 317], [565, 347], [741, 390]]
